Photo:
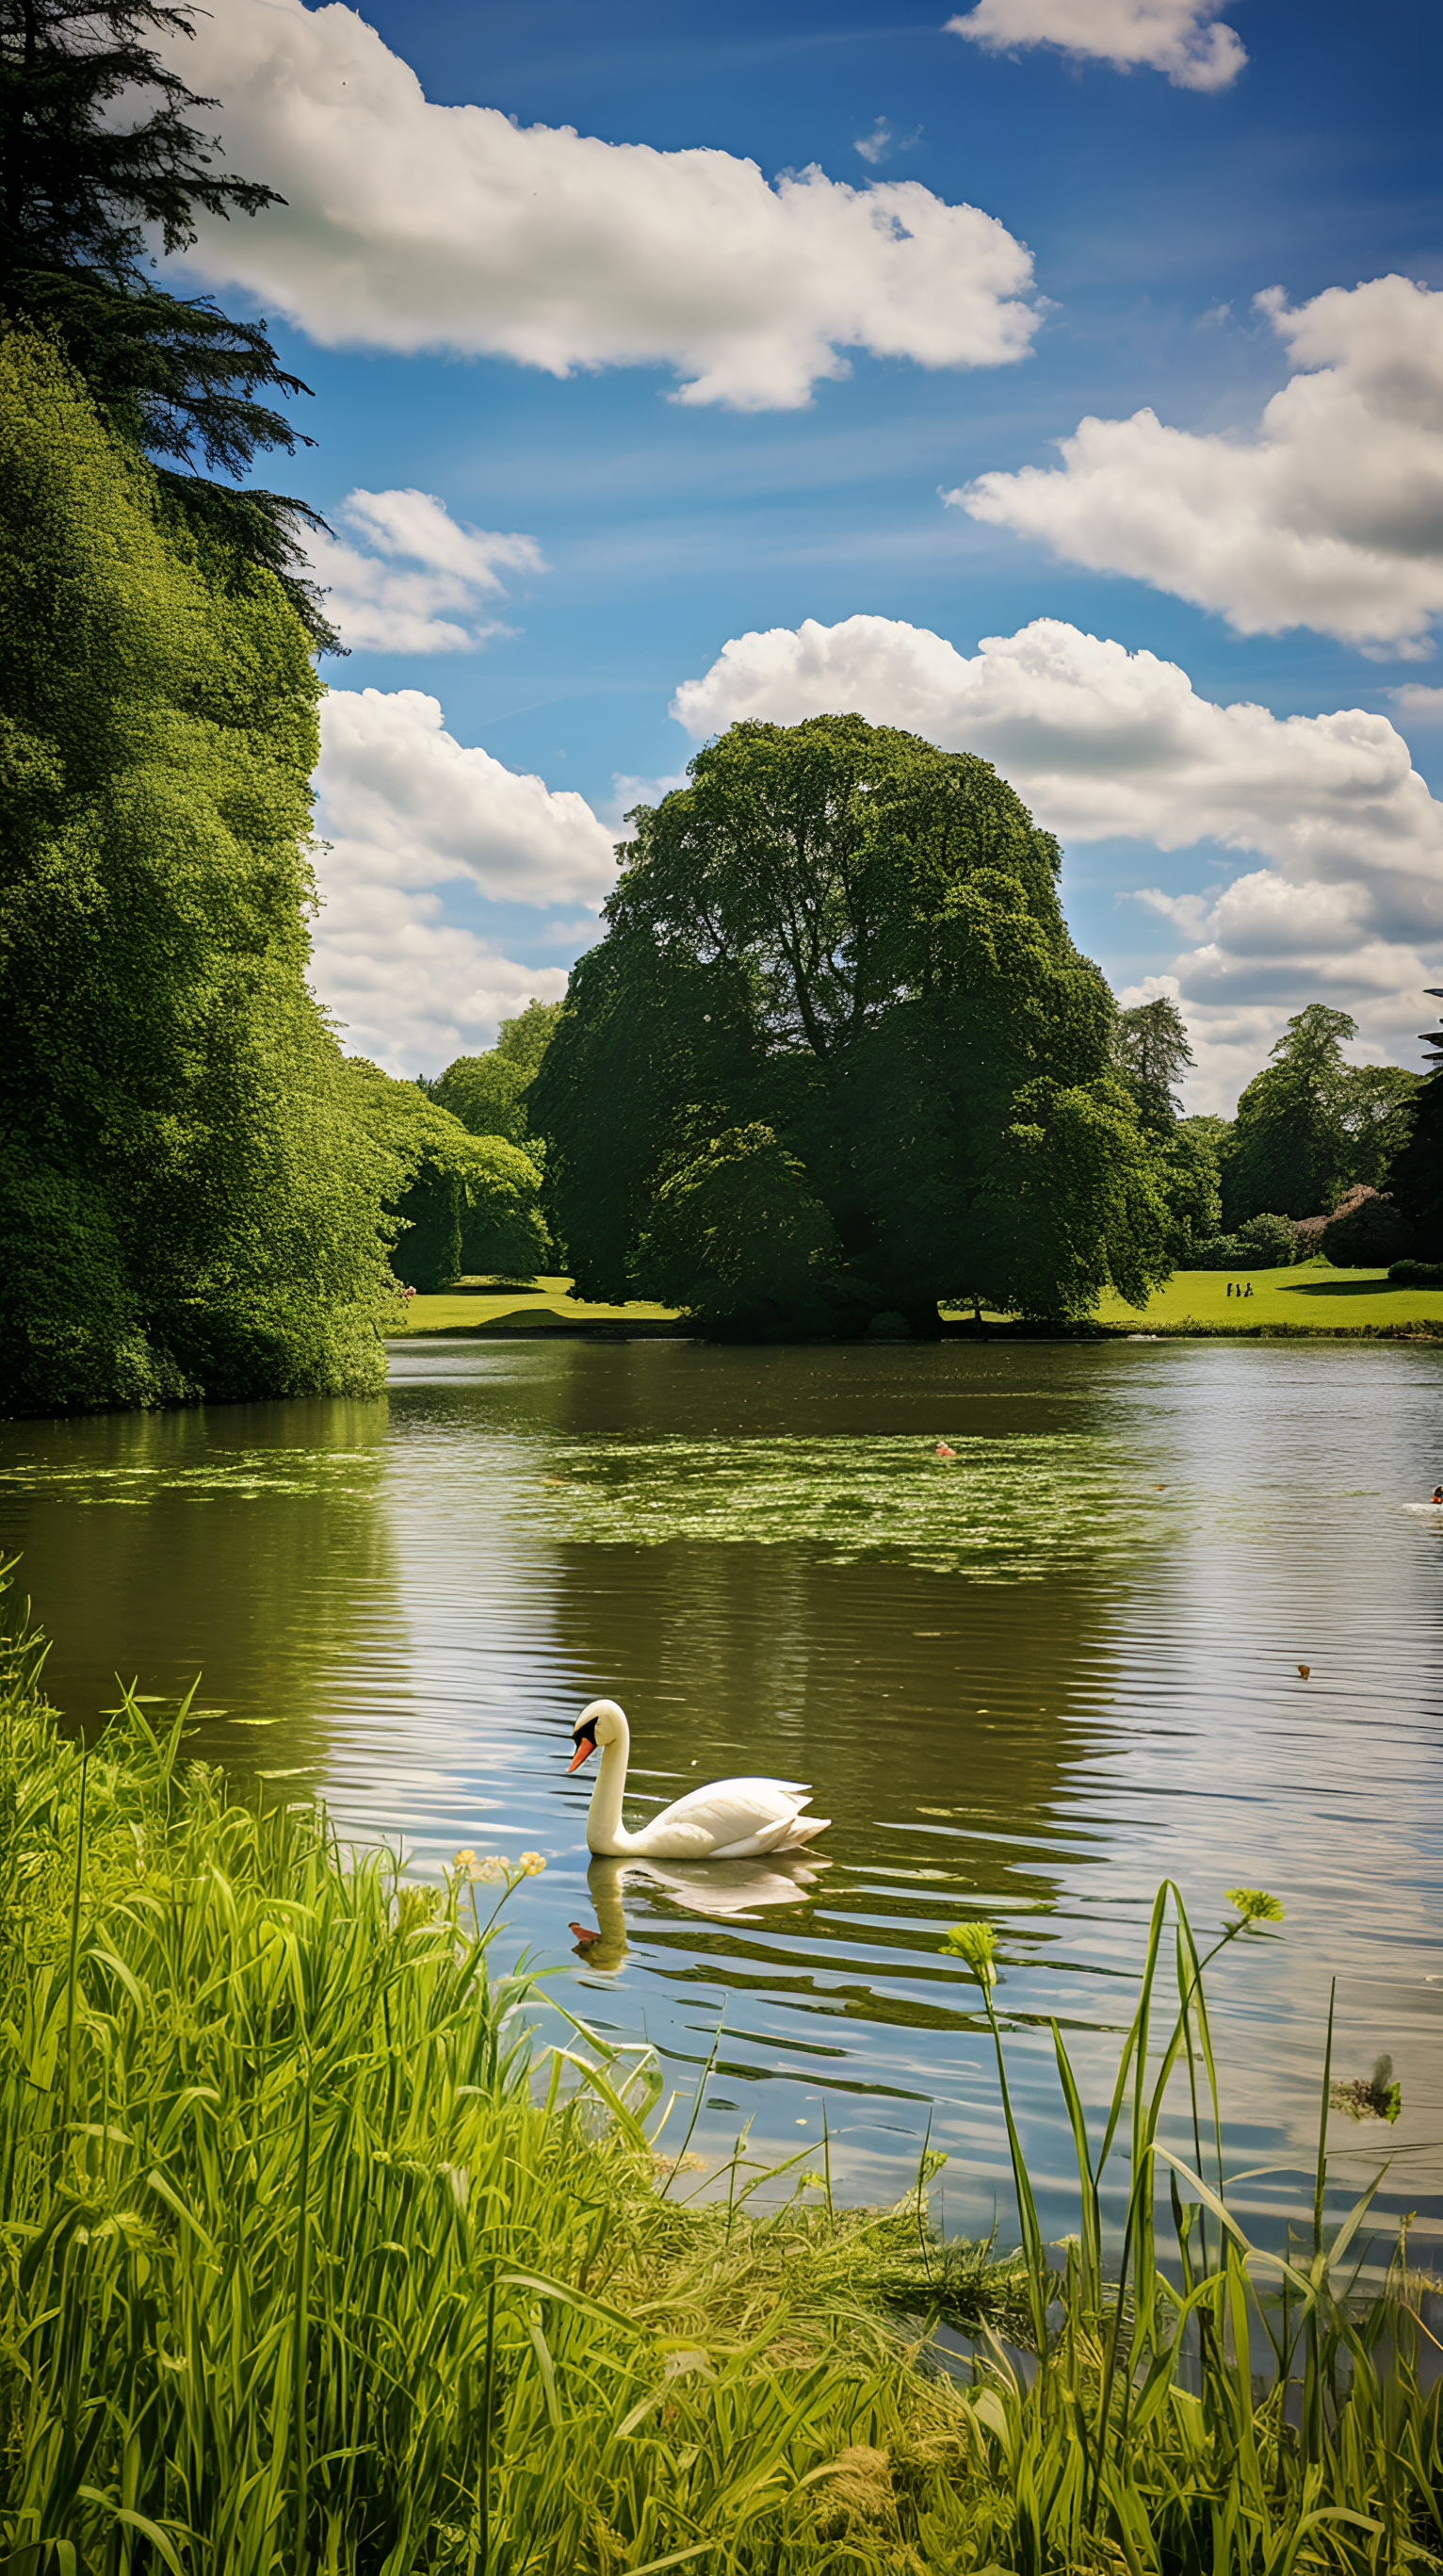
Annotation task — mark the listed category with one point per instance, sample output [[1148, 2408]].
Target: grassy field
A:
[[474, 1304], [1310, 1298]]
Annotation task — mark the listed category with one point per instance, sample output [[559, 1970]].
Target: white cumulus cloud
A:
[[413, 226], [405, 809], [1104, 744], [1331, 517], [1425, 706], [410, 989], [1179, 37], [411, 805], [417, 582]]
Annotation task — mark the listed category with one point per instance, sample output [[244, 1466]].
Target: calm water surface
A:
[[1027, 1682]]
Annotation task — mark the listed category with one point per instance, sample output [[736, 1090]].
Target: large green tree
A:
[[1290, 1155], [837, 1012], [188, 1202], [1310, 1125], [1375, 1112], [97, 148]]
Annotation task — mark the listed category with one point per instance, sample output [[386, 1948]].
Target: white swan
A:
[[727, 1820]]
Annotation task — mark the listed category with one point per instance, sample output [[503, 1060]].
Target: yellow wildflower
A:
[[1254, 1904]]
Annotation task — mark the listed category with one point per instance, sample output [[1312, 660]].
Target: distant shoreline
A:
[[1286, 1305]]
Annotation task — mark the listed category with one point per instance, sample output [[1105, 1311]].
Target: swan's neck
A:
[[605, 1831]]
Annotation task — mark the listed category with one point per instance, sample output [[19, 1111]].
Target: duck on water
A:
[[727, 1820]]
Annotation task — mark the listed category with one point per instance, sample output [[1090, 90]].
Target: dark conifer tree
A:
[[184, 382], [1416, 1178]]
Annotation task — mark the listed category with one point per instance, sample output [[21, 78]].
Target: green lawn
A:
[[474, 1303], [1310, 1297]]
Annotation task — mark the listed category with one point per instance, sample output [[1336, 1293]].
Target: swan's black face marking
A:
[[583, 1736]]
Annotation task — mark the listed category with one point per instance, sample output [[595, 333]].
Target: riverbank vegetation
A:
[[327, 2246], [1357, 1126], [1303, 1297]]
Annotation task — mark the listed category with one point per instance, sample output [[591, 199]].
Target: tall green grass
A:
[[319, 2252], [315, 2255], [1224, 2406]]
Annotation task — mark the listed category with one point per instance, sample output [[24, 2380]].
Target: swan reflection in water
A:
[[728, 1890]]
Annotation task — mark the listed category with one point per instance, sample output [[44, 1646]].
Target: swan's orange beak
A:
[[586, 1747]]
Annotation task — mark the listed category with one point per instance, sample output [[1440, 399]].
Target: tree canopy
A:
[[1309, 1126], [96, 146], [837, 992], [187, 1201], [460, 1202], [1375, 1112]]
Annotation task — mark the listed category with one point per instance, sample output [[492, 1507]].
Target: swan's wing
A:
[[726, 1812], [784, 1836], [679, 1840], [764, 1838]]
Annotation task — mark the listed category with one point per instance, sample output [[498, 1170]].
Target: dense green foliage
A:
[[1262, 1242], [1270, 1239], [489, 1092], [1376, 1109], [465, 1203], [95, 147], [312, 2256], [837, 1055], [1310, 1126], [187, 1203]]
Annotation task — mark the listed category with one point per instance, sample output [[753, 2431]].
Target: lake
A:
[[1027, 1682]]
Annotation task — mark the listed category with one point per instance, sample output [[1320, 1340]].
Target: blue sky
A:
[[503, 320]]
